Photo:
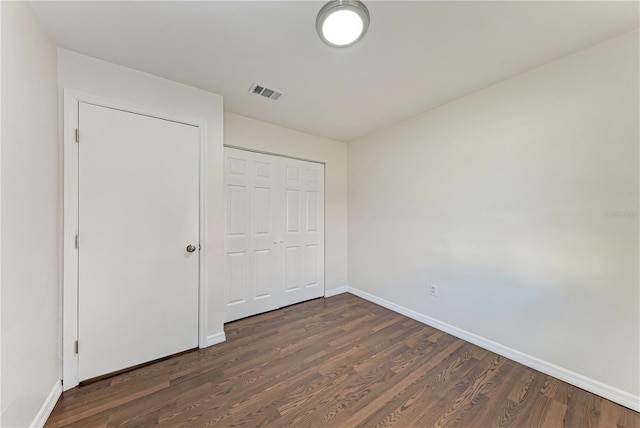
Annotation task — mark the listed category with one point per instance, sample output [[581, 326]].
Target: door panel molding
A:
[[71, 102]]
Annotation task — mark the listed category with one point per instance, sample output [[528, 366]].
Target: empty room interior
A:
[[320, 213]]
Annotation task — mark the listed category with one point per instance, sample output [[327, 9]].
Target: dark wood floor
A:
[[336, 362]]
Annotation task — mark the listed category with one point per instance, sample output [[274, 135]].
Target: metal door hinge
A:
[[77, 241], [76, 346], [77, 135]]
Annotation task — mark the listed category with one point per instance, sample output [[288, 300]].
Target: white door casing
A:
[[274, 232], [135, 258]]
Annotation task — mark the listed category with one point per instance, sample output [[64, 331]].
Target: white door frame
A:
[[70, 222]]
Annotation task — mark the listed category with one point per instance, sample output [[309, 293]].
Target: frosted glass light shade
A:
[[342, 23]]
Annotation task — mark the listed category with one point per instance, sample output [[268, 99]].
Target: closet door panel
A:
[[293, 262], [253, 259], [237, 235], [304, 233]]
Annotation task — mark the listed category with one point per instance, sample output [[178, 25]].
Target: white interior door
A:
[[274, 233], [138, 211]]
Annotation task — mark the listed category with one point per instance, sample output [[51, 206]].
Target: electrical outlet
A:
[[433, 290]]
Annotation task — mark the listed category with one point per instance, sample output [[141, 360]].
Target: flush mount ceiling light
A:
[[341, 23]]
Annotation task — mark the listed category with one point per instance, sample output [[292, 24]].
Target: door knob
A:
[[191, 248]]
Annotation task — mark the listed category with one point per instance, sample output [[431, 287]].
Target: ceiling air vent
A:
[[263, 91]]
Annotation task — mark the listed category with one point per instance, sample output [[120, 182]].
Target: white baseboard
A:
[[336, 291], [606, 391], [47, 406], [216, 338]]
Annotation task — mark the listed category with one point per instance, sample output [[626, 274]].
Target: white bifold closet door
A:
[[274, 232]]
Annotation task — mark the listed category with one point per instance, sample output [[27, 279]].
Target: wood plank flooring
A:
[[336, 362]]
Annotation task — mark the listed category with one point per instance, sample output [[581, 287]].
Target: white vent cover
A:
[[272, 94]]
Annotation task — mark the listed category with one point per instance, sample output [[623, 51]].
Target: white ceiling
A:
[[417, 55]]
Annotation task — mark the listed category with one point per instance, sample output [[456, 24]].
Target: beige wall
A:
[[503, 199], [101, 78], [30, 216], [248, 133]]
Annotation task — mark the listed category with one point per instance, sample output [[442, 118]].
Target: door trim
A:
[[70, 221], [229, 146]]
